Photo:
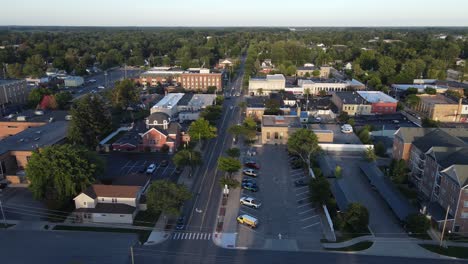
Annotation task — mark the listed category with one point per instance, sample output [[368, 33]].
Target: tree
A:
[[14, 70], [430, 90], [36, 95], [236, 130], [343, 117], [34, 66], [58, 173], [316, 73], [233, 152], [219, 100], [322, 93], [211, 89], [427, 122], [338, 171], [166, 197], [91, 120], [304, 143], [356, 218], [387, 67], [62, 99], [411, 90], [187, 158], [417, 223], [370, 154], [229, 165], [124, 94], [364, 136], [412, 100], [260, 91], [380, 149], [399, 171], [272, 107], [201, 130], [320, 190], [212, 113], [352, 121], [231, 183]]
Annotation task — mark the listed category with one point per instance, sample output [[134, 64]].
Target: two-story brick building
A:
[[364, 102]]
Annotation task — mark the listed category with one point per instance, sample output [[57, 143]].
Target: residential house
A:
[[116, 204]]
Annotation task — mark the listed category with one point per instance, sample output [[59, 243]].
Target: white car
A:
[[101, 87], [250, 201], [92, 81], [347, 129], [250, 172], [151, 168]]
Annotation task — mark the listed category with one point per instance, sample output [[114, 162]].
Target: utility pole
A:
[[3, 214], [131, 254], [125, 69], [443, 229]]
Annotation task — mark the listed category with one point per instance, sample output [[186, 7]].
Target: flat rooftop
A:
[[351, 98], [274, 77], [169, 101], [436, 99], [35, 137], [281, 121], [376, 96], [31, 116]]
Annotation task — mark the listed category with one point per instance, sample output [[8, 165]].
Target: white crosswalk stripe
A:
[[191, 236]]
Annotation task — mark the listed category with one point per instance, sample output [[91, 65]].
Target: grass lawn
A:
[[458, 252], [356, 247], [142, 234], [6, 226]]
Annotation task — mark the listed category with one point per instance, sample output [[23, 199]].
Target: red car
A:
[[252, 165]]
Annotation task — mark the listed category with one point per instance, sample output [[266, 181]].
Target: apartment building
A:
[[438, 161], [13, 92]]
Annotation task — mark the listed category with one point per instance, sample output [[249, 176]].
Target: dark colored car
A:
[[180, 224], [164, 163], [252, 165], [250, 187], [178, 170], [142, 169], [3, 185], [249, 180], [300, 183]]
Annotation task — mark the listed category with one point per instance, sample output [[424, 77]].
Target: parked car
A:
[[347, 129], [250, 187], [300, 183], [151, 168], [250, 172], [92, 81], [247, 220], [180, 224], [252, 165], [164, 163], [101, 87], [250, 201], [249, 180], [178, 170]]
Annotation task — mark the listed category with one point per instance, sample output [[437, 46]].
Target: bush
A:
[[164, 148], [380, 149], [417, 223], [356, 219], [231, 183], [338, 172]]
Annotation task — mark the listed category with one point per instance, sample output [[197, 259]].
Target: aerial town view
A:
[[266, 132]]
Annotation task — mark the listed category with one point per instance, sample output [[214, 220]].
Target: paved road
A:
[[103, 80], [19, 247]]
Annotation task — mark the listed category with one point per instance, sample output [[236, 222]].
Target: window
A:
[[281, 135], [465, 203], [84, 203], [268, 135], [276, 135], [114, 200], [122, 215]]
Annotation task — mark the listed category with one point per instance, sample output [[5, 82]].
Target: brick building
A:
[[15, 124], [442, 108], [364, 102]]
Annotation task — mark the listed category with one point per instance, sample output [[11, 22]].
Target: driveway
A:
[[356, 188]]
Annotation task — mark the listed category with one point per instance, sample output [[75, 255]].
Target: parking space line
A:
[[300, 177], [305, 219], [299, 188], [304, 205], [310, 225], [299, 194], [302, 199], [293, 170], [309, 210], [297, 173]]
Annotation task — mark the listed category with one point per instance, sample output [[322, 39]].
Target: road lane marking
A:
[[209, 236], [310, 225], [305, 219]]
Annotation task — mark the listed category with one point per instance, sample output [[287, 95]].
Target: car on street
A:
[[250, 201], [101, 87], [164, 163], [250, 172], [92, 81], [252, 165], [300, 183], [249, 180], [151, 168], [250, 187], [180, 223]]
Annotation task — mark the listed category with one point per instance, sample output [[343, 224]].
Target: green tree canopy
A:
[[417, 223], [62, 99], [370, 154], [124, 94], [412, 100], [272, 107], [212, 113], [91, 120], [229, 165], [233, 152], [201, 130], [166, 197], [320, 190], [35, 96], [60, 172], [356, 218], [304, 143], [399, 171]]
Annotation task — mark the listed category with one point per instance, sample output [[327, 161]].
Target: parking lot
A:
[[338, 136], [286, 218], [120, 164], [388, 122]]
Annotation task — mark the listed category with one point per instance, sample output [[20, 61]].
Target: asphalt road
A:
[[101, 78]]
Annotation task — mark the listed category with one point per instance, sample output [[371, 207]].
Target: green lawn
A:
[[458, 252], [356, 247], [142, 234]]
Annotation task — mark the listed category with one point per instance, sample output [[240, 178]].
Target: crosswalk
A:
[[191, 236]]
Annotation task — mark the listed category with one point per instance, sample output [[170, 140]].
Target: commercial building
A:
[[442, 108], [16, 150], [200, 81], [438, 160], [315, 86], [13, 92], [440, 86], [182, 107], [168, 104], [161, 75], [14, 124], [308, 71], [99, 203], [364, 102], [266, 85]]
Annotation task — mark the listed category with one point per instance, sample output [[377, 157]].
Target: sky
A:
[[285, 13]]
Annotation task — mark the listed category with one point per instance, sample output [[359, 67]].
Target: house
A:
[[161, 132], [100, 203], [267, 66], [438, 163]]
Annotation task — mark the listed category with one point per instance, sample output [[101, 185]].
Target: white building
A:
[[108, 204], [73, 81], [168, 104], [267, 85], [315, 86]]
